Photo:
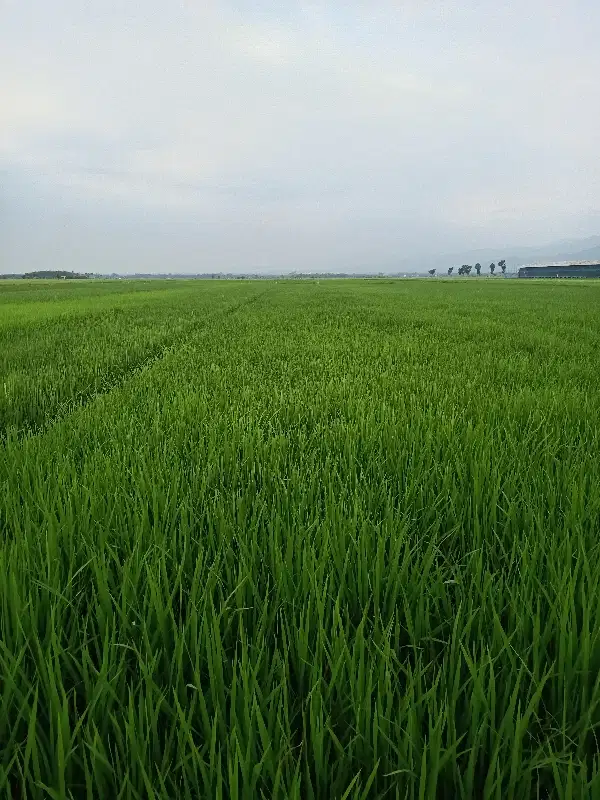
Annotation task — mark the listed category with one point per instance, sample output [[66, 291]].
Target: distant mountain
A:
[[591, 254], [570, 245]]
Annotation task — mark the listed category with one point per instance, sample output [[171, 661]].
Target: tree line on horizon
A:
[[56, 273], [466, 269]]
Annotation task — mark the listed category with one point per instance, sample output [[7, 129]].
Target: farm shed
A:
[[561, 271]]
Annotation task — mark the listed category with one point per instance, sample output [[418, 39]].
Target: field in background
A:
[[334, 539]]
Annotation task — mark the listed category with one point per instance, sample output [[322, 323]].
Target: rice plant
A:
[[300, 540]]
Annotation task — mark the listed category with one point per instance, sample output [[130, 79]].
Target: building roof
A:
[[563, 264]]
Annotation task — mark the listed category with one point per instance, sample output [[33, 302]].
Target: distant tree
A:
[[432, 272], [502, 265], [492, 267], [56, 273], [450, 270], [478, 268]]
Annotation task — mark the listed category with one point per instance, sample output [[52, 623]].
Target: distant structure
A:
[[582, 270]]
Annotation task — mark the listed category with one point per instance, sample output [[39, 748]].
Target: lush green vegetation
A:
[[330, 540], [56, 273]]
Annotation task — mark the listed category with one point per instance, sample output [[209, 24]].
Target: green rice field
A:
[[300, 539]]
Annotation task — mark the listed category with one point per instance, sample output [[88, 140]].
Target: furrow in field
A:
[[109, 382]]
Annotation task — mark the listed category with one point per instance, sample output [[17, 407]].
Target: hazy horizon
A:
[[234, 136]]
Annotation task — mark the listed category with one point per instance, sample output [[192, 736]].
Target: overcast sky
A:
[[193, 135]]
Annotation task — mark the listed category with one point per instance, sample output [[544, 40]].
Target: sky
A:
[[190, 136]]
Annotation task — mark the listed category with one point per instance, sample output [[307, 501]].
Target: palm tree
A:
[[492, 267], [450, 269], [478, 268], [502, 265]]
